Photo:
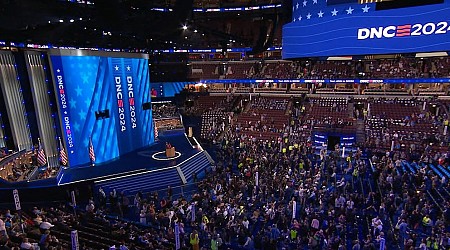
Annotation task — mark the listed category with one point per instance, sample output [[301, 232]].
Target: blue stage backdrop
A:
[[321, 28], [87, 82]]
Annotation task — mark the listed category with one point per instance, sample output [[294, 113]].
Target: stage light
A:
[[61, 21], [71, 20], [185, 27]]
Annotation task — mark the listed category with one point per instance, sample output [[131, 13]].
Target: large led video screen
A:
[[321, 29], [101, 97]]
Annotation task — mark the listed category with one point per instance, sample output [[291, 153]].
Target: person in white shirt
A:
[[245, 223], [45, 225], [26, 245], [377, 225], [142, 217], [2, 229]]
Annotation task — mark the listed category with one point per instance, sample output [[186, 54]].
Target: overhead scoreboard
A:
[[322, 28], [100, 97]]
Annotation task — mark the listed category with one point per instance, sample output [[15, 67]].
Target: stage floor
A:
[[149, 158]]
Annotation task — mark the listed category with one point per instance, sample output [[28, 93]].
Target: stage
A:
[[146, 169], [148, 158]]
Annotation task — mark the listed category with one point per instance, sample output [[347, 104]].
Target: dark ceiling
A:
[[112, 24]]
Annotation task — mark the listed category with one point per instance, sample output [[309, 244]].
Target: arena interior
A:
[[224, 124]]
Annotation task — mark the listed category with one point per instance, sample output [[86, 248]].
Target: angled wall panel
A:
[[39, 87], [12, 94]]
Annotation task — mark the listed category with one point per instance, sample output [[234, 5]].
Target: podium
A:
[[170, 152]]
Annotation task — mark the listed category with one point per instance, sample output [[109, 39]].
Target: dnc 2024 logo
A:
[[403, 30]]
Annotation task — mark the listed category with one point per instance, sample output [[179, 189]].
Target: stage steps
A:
[[153, 180], [195, 165], [360, 131], [144, 181]]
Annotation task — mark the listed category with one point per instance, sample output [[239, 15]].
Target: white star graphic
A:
[[72, 103], [79, 90], [294, 20], [85, 78], [128, 68], [296, 6], [320, 14], [300, 18], [58, 70], [350, 10], [117, 68], [334, 12], [65, 112], [76, 126], [308, 16], [82, 114], [366, 8], [314, 1], [304, 3]]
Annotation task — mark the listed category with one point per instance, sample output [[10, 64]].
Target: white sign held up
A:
[[16, 199]]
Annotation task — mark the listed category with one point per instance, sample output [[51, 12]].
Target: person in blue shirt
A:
[[249, 244]]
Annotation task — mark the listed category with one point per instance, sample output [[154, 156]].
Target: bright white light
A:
[[195, 31], [71, 20], [185, 27], [61, 21]]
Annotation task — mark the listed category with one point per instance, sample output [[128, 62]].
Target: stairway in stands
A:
[[388, 223], [152, 180], [351, 109], [360, 131]]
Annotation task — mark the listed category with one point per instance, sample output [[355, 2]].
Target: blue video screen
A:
[[318, 29], [100, 97]]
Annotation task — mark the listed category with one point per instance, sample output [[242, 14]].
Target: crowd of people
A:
[[420, 130], [166, 110], [367, 69], [277, 193], [18, 168]]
